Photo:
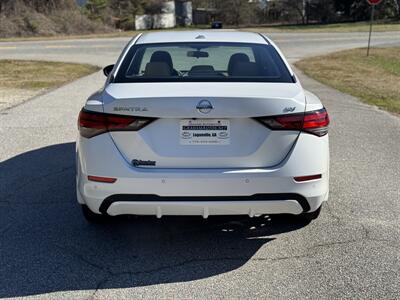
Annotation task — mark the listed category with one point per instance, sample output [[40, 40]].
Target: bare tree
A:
[[397, 6], [233, 11], [300, 7], [153, 7]]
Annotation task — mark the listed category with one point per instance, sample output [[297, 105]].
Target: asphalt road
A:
[[48, 251]]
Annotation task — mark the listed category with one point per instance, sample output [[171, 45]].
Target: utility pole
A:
[[372, 3], [370, 27]]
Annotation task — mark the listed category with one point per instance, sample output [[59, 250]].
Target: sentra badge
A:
[[130, 108]]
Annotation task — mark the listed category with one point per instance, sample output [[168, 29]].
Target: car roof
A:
[[201, 36]]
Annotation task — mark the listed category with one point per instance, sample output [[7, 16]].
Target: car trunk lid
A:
[[189, 134]]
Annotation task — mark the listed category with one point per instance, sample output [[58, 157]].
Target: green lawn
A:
[[374, 79]]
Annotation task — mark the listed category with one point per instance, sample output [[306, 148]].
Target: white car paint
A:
[[260, 161]]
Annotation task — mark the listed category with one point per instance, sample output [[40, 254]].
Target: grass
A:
[[115, 34], [72, 37], [339, 27], [374, 79], [40, 75]]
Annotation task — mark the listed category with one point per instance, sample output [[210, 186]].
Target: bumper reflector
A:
[[307, 178], [102, 179]]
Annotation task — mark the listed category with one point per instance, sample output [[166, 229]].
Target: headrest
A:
[[162, 56], [245, 69], [236, 58], [201, 70], [157, 69]]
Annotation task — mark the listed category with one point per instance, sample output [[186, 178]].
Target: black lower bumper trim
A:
[[256, 197]]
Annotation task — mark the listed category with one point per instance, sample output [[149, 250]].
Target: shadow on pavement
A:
[[46, 245]]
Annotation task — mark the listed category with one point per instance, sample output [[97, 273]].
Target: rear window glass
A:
[[175, 62]]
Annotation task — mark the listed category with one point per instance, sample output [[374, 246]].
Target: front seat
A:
[[164, 57], [235, 59], [245, 69], [202, 70], [157, 69]]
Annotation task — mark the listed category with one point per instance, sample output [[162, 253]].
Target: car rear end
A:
[[210, 128]]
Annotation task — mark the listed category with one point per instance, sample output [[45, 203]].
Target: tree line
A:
[[121, 13], [22, 16], [45, 18], [238, 12], [8, 7]]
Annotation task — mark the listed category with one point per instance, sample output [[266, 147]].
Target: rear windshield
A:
[[179, 62]]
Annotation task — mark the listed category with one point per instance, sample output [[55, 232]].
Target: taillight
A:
[[315, 122], [102, 179], [92, 123], [307, 178]]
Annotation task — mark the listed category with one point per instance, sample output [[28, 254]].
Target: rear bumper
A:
[[202, 191], [204, 206], [161, 206]]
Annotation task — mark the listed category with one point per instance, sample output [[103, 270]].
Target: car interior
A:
[[161, 65]]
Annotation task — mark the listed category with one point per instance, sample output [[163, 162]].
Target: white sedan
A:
[[202, 123]]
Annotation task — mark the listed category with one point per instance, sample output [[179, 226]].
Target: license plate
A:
[[204, 132]]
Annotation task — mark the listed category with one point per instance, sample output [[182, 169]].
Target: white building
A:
[[178, 12]]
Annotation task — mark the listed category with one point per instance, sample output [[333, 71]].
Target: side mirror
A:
[[107, 70]]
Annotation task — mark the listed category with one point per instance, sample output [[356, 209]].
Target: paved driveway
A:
[[47, 250]]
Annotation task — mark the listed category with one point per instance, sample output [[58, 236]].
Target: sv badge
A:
[[289, 109]]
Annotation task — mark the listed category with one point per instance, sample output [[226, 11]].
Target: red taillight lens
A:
[[315, 122], [102, 179], [307, 178], [287, 122], [92, 123]]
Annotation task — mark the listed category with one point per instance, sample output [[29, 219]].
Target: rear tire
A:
[[308, 217], [92, 217]]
